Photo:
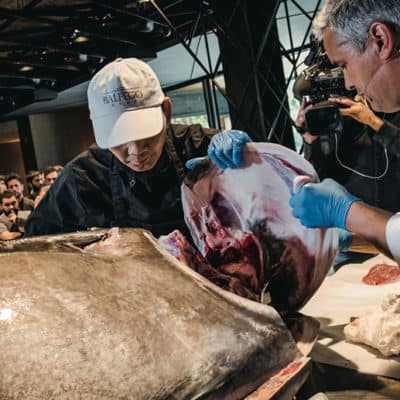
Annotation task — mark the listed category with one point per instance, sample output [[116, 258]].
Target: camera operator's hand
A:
[[299, 122], [358, 111]]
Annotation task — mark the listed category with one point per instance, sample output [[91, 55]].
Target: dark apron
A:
[[123, 207]]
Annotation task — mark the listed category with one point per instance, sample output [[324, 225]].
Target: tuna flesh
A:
[[382, 274], [241, 222]]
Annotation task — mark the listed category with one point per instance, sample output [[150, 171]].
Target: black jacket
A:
[[96, 190], [360, 148]]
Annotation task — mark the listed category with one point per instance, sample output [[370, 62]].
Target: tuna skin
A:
[[127, 321]]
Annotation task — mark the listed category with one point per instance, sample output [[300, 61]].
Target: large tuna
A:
[[241, 222], [123, 319]]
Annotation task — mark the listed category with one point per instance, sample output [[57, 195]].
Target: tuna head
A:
[[241, 222]]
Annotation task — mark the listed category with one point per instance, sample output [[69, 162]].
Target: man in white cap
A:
[[133, 177]]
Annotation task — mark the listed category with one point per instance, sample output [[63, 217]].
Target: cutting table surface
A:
[[345, 370], [340, 297]]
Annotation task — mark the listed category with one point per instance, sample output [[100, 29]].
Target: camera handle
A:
[[360, 173]]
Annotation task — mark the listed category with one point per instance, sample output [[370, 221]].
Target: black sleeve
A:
[[321, 160], [59, 211], [322, 152], [389, 136]]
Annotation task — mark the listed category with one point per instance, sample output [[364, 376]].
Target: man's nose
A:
[[349, 86], [136, 147], [347, 81]]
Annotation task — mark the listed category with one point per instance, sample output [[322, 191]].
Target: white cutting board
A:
[[341, 296]]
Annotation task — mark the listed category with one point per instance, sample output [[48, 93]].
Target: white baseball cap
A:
[[125, 99]]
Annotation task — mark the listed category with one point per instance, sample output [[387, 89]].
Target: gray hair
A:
[[351, 19]]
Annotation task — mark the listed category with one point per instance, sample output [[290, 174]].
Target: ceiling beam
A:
[[25, 14], [10, 21], [10, 61], [41, 46]]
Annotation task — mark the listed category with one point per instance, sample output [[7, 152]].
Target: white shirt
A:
[[393, 236]]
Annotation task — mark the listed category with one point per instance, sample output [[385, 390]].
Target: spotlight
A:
[[81, 39], [26, 68], [77, 37]]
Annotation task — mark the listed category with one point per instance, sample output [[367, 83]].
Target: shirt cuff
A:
[[393, 236], [387, 134]]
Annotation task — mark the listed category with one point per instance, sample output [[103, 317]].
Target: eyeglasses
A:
[[11, 203]]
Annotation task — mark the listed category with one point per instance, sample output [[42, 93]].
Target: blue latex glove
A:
[[322, 205], [190, 164], [225, 150], [345, 239]]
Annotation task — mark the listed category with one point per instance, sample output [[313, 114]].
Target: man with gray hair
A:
[[362, 37]]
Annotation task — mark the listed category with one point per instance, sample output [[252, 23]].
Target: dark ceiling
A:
[[47, 46]]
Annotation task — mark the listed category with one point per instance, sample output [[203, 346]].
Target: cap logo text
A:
[[127, 96]]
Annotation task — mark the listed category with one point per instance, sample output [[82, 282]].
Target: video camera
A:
[[316, 84]]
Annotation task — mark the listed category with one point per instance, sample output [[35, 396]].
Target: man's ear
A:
[[167, 108], [384, 40]]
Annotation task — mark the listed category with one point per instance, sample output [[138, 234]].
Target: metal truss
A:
[[293, 54], [205, 22], [201, 25]]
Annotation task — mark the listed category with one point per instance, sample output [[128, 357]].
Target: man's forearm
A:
[[10, 235], [369, 222]]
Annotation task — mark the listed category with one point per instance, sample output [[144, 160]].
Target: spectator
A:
[[11, 227], [42, 191], [3, 185], [50, 175], [35, 180], [15, 185], [58, 168]]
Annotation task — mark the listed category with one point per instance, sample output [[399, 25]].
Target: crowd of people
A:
[[16, 203]]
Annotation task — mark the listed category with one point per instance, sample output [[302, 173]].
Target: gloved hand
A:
[[322, 205], [345, 239], [190, 164], [225, 150]]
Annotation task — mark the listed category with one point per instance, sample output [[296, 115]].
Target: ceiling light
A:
[[81, 39], [26, 68]]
